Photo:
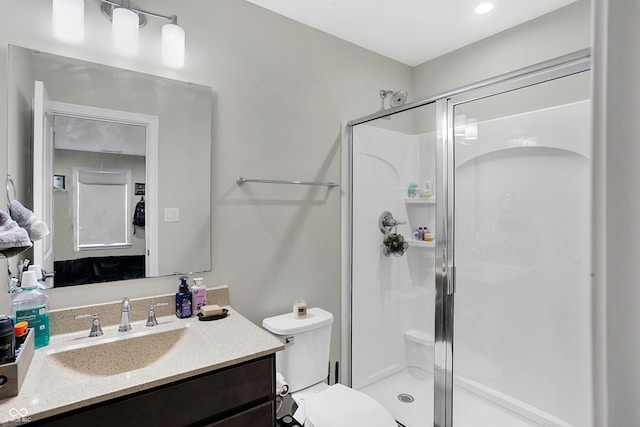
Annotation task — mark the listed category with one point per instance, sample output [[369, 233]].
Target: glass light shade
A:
[[173, 45], [124, 31], [67, 19]]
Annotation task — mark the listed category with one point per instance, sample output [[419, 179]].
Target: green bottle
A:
[[32, 305]]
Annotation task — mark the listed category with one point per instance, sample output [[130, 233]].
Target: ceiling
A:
[[410, 31]]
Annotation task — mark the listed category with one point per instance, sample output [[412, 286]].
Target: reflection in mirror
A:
[[119, 168]]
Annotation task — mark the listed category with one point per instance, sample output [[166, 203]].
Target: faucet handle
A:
[[125, 325], [126, 304], [151, 320], [96, 330]]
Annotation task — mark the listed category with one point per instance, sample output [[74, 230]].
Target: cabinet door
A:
[[260, 416], [223, 393]]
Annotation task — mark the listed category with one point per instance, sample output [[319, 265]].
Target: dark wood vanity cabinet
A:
[[237, 396]]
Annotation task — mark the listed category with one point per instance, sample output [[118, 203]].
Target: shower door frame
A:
[[445, 103]]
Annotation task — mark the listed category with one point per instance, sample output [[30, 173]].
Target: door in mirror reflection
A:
[[43, 159], [103, 152]]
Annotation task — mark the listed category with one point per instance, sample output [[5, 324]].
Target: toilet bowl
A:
[[339, 405], [304, 362]]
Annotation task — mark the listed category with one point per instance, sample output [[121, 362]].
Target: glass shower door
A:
[[522, 255], [393, 291]]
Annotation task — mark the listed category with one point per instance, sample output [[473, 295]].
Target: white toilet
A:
[[304, 363]]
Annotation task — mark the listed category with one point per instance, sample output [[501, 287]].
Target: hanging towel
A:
[[36, 228], [13, 239]]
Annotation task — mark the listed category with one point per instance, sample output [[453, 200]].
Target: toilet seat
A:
[[340, 405]]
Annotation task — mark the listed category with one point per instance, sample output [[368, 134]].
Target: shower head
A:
[[398, 98]]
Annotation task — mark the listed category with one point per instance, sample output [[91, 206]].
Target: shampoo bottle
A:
[[428, 190], [183, 299], [32, 305], [199, 295]]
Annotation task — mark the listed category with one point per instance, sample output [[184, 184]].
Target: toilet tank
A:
[[305, 358]]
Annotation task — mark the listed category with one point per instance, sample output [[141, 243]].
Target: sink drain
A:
[[405, 398]]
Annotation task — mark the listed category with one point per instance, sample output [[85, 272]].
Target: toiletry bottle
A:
[[183, 299], [32, 305], [7, 341], [411, 191], [20, 332], [198, 294], [428, 190]]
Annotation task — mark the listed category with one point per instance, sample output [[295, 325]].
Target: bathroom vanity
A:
[[241, 395], [180, 372]]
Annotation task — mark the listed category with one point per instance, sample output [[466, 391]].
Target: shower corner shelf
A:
[[421, 244], [420, 200]]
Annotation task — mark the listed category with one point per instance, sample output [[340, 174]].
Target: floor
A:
[[396, 392]]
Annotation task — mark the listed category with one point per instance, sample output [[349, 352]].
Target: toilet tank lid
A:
[[287, 324]]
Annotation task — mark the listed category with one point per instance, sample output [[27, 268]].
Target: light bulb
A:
[[67, 19], [173, 45], [483, 8], [124, 31]]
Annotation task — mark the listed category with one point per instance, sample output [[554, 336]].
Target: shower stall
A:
[[485, 319]]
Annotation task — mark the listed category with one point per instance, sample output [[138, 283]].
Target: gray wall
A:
[[554, 34], [281, 91]]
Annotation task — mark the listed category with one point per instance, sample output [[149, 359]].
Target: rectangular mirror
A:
[[72, 123]]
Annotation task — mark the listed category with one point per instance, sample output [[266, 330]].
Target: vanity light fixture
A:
[[68, 18]]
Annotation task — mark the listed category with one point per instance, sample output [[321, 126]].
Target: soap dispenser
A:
[[183, 299], [198, 295]]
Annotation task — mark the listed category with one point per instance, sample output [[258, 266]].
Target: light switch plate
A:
[[171, 215]]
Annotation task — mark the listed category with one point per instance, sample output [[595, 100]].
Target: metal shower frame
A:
[[445, 103]]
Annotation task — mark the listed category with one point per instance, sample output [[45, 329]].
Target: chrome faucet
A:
[[96, 330], [124, 317], [151, 320]]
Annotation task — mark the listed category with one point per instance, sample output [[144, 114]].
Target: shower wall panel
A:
[[391, 295]]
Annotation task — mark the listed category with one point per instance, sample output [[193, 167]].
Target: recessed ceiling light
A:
[[484, 8]]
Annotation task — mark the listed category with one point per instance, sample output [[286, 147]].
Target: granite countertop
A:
[[59, 380]]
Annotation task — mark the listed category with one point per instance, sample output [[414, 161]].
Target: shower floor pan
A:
[[408, 395]]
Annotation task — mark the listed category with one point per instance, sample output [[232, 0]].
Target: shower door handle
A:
[[451, 282]]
